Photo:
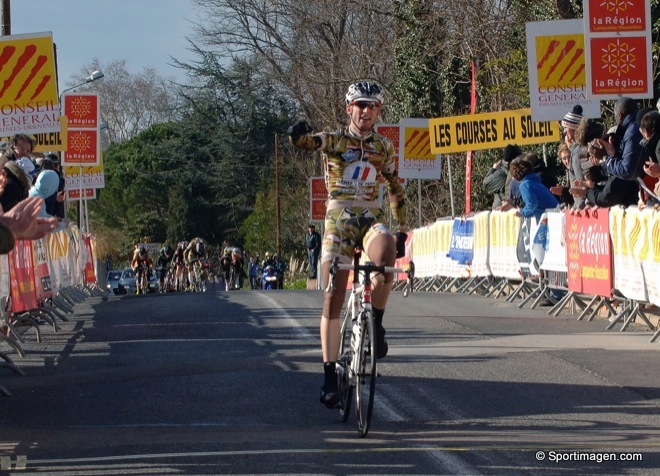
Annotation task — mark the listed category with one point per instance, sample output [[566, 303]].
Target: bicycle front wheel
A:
[[344, 369], [365, 387]]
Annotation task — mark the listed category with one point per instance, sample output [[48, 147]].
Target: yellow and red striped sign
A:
[[28, 86]]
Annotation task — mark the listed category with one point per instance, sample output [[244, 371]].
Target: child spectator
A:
[[536, 196]]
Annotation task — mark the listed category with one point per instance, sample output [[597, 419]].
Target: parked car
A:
[[113, 281], [127, 281], [153, 280]]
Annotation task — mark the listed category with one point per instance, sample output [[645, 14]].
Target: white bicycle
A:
[[356, 364]]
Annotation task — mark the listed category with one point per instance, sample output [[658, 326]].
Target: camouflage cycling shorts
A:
[[345, 228]]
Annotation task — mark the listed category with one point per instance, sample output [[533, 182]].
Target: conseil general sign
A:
[[28, 88], [489, 131]]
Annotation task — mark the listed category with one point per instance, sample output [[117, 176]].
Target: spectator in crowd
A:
[[55, 203], [28, 167], [601, 190], [649, 127], [653, 169], [21, 145], [536, 197], [313, 245], [626, 160], [586, 132], [562, 191], [45, 186], [569, 124], [61, 192], [608, 190], [547, 179], [16, 185], [498, 177]]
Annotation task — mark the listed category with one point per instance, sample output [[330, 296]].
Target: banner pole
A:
[[419, 203], [81, 216], [451, 186], [86, 216]]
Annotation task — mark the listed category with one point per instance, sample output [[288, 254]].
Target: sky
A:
[[145, 33]]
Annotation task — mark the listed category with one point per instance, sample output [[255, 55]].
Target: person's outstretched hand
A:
[[299, 129], [24, 221]]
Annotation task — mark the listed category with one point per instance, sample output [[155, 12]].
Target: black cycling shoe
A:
[[330, 395], [381, 342]]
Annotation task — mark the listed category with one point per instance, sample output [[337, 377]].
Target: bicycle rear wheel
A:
[[365, 387]]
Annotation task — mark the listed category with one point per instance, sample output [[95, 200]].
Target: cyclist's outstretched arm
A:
[[299, 135]]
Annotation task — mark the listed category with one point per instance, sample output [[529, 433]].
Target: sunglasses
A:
[[366, 104]]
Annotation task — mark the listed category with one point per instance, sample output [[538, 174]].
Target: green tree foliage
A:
[[198, 176]]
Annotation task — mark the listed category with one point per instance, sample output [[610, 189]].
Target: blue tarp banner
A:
[[462, 241]]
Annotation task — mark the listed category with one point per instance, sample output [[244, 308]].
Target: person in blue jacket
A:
[[46, 185], [536, 196], [624, 154]]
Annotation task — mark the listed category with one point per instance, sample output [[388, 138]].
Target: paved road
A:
[[227, 383]]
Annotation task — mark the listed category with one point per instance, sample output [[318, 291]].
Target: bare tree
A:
[[131, 102], [313, 49]]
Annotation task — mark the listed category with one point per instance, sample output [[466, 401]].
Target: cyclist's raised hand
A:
[[299, 129]]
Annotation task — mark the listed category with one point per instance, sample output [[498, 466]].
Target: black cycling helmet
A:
[[364, 91], [199, 247]]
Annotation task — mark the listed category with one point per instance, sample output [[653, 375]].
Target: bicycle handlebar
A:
[[371, 268]]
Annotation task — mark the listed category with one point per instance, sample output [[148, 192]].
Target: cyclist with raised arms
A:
[[354, 159]]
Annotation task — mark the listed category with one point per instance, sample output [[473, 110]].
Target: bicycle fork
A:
[[359, 340]]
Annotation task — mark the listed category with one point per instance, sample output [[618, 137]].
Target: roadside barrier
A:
[[595, 261], [40, 283]]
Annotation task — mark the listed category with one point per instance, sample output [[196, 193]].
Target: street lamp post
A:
[[92, 77], [97, 74]]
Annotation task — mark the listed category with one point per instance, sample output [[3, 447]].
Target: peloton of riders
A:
[[177, 271]]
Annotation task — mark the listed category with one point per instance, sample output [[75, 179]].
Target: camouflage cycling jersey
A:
[[353, 166], [191, 254]]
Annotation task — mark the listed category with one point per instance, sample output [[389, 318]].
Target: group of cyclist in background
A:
[[189, 267]]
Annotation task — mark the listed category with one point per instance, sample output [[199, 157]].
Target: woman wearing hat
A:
[[579, 154]]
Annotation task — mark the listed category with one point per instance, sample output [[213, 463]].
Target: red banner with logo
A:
[[21, 277], [589, 252], [82, 134], [318, 195], [619, 49]]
